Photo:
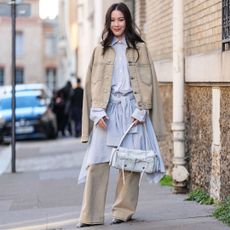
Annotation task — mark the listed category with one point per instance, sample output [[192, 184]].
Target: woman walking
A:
[[121, 88]]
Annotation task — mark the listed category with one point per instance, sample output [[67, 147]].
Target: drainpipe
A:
[[180, 173], [98, 21]]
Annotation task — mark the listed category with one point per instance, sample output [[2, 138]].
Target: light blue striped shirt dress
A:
[[120, 110]]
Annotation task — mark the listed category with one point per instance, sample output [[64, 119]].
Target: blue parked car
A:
[[34, 118]]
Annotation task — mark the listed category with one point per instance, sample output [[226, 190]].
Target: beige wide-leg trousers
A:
[[94, 196]]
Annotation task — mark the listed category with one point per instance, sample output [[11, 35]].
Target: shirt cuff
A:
[[139, 114], [96, 114]]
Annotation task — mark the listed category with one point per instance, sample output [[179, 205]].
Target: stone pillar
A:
[[180, 173], [215, 183]]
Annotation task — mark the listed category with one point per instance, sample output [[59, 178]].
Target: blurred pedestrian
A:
[[58, 107], [67, 92], [53, 98], [121, 88], [76, 108]]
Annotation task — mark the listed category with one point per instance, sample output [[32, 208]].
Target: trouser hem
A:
[[91, 222], [122, 215]]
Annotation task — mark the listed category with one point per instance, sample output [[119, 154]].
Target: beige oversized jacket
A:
[[143, 82]]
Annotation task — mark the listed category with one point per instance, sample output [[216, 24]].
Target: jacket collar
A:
[[115, 41], [131, 54]]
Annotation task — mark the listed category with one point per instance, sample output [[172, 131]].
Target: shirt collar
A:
[[115, 41]]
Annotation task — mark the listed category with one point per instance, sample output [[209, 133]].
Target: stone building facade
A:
[[36, 60], [67, 42], [207, 78]]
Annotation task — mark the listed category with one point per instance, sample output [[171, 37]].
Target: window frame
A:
[[22, 75], [2, 74], [225, 25], [19, 44], [51, 78]]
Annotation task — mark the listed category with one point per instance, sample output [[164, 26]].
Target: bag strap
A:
[[124, 135]]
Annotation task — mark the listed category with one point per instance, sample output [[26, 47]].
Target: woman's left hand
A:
[[137, 122]]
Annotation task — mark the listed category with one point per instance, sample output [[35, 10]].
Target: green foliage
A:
[[222, 212], [200, 197], [166, 181]]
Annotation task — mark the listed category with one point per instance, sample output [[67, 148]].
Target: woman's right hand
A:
[[102, 122]]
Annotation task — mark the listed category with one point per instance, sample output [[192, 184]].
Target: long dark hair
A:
[[132, 34]]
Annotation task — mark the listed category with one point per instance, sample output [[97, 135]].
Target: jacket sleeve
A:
[[156, 113], [96, 114], [140, 115], [87, 102]]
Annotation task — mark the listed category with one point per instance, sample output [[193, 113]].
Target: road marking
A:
[[34, 224], [54, 225], [60, 161], [5, 159], [57, 224]]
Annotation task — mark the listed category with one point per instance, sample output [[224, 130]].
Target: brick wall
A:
[[202, 26], [202, 35], [159, 28]]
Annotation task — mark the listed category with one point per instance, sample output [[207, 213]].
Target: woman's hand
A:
[[137, 122], [102, 122]]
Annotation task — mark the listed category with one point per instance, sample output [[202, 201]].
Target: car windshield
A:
[[22, 102]]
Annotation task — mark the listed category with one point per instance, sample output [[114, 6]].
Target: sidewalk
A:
[[51, 200]]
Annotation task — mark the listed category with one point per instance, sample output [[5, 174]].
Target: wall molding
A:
[[212, 67]]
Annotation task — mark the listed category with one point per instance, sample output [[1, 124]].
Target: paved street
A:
[[44, 194]]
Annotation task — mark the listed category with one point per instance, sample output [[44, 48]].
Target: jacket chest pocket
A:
[[144, 73], [98, 72]]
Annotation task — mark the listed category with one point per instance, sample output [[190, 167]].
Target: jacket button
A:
[[135, 92], [131, 77]]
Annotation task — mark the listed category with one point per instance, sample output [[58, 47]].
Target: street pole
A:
[[7, 10], [13, 71]]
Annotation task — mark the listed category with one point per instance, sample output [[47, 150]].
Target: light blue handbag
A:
[[134, 160]]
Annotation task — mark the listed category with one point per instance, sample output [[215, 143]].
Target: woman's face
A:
[[118, 23]]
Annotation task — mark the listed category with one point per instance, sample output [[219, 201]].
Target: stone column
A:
[[215, 183]]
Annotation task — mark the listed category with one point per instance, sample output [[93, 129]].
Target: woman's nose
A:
[[116, 23]]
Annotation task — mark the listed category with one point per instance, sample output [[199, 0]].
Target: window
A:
[[19, 44], [50, 46], [1, 76], [19, 78], [225, 24], [51, 78]]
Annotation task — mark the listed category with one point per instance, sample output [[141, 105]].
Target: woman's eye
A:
[[120, 20]]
